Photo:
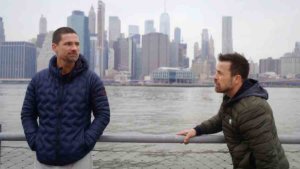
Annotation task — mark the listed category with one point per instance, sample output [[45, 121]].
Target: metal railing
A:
[[146, 138], [22, 156]]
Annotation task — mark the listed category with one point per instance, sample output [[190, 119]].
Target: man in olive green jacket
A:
[[245, 118]]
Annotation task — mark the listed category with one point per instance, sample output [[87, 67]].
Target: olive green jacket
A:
[[249, 129]]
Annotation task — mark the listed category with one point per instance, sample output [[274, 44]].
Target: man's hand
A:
[[188, 133]]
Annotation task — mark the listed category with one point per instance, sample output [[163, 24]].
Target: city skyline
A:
[[260, 29]]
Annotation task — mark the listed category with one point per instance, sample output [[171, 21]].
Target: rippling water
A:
[[160, 110]]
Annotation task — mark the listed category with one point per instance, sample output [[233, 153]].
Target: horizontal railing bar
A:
[[148, 138]]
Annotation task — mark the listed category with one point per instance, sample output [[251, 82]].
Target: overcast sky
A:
[[261, 28]]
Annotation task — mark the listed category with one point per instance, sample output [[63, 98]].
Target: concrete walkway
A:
[[148, 156]]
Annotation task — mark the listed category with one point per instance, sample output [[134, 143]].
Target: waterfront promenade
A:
[[148, 151], [169, 156]]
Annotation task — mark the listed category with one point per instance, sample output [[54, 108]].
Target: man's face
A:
[[223, 79], [68, 48]]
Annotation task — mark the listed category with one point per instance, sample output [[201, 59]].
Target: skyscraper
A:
[[289, 65], [155, 52], [177, 35], [92, 21], [205, 44], [106, 51], [149, 27], [269, 65], [93, 51], [137, 62], [196, 50], [174, 54], [164, 24], [297, 48], [114, 29], [79, 23], [133, 30], [45, 53], [42, 32], [43, 25], [227, 46], [101, 24], [17, 60], [122, 54], [211, 56], [2, 35], [182, 58], [136, 39]]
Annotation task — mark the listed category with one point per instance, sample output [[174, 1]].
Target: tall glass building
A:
[[149, 26], [227, 46], [17, 60], [164, 24]]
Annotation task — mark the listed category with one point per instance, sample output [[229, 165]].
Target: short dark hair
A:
[[60, 31], [239, 64]]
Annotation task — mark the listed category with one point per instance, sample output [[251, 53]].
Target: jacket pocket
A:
[[89, 141], [32, 141]]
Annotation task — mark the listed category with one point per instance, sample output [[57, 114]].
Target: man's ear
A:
[[238, 79], [54, 46]]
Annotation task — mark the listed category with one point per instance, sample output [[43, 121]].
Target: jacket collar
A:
[[249, 88], [81, 65]]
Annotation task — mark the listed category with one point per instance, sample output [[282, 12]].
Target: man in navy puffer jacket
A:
[[62, 98]]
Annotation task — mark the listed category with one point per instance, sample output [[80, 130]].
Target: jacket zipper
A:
[[58, 127]]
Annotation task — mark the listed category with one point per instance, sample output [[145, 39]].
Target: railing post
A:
[[0, 145]]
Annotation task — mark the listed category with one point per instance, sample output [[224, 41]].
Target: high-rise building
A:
[[117, 53], [164, 24], [114, 29], [94, 52], [101, 24], [269, 65], [177, 35], [79, 22], [297, 49], [290, 62], [42, 32], [122, 54], [17, 60], [200, 68], [2, 35], [211, 57], [105, 52], [205, 44], [197, 51], [135, 59], [289, 65], [133, 30], [155, 52], [92, 21], [45, 52], [136, 39], [111, 59], [253, 68], [183, 60], [43, 25], [227, 46], [149, 27], [174, 54]]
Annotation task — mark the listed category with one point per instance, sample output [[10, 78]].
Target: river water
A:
[[159, 110], [156, 110]]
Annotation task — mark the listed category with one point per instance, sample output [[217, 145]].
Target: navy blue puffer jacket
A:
[[63, 104]]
